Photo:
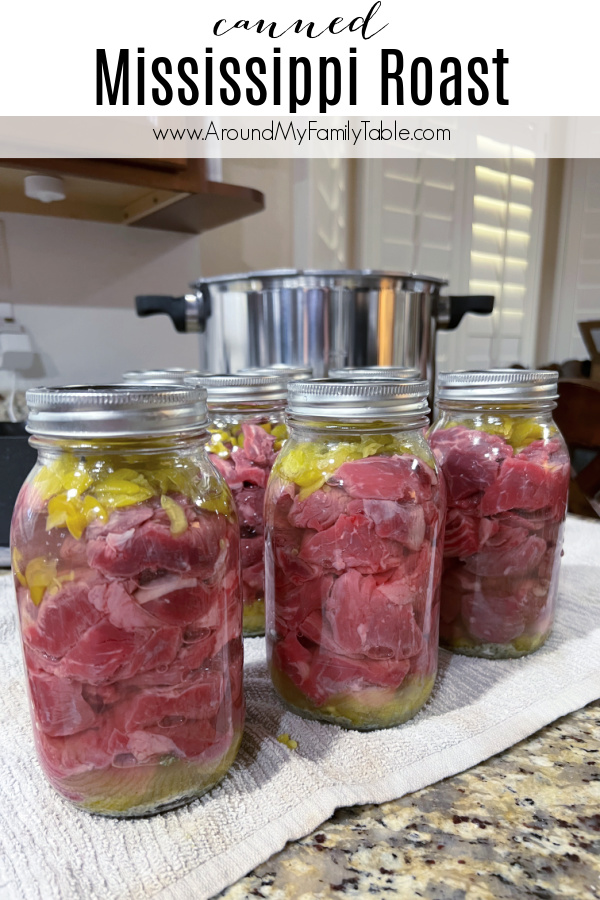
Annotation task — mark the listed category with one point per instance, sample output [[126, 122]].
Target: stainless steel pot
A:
[[319, 318]]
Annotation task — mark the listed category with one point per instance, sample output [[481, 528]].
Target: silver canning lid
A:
[[375, 373], [243, 388], [503, 385], [290, 373], [357, 400], [159, 376], [116, 410]]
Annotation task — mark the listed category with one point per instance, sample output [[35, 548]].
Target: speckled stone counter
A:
[[525, 823]]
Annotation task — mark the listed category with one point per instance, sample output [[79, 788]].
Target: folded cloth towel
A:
[[51, 851]]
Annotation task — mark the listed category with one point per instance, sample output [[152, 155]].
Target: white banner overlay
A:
[[322, 136], [317, 57]]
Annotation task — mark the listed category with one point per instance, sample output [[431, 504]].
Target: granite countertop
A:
[[525, 823]]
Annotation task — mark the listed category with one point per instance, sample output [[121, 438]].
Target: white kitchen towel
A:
[[51, 851]]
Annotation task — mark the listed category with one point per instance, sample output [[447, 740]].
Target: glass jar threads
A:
[[375, 373], [159, 376], [354, 517], [247, 431], [285, 371], [125, 551], [506, 468]]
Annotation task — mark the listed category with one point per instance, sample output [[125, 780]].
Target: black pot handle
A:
[[483, 304], [188, 313], [152, 305]]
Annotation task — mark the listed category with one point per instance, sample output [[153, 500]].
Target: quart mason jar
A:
[[506, 469], [354, 525], [125, 552], [247, 430]]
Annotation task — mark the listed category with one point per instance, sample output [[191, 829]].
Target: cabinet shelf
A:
[[168, 194]]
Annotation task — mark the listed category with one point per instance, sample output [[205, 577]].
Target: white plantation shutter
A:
[[477, 223], [504, 260], [321, 213], [409, 210], [577, 278]]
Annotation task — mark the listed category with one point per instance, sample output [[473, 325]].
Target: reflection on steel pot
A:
[[324, 319]]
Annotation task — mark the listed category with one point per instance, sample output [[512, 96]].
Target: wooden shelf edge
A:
[[219, 204]]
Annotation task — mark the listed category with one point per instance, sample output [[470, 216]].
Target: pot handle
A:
[[188, 313], [483, 304]]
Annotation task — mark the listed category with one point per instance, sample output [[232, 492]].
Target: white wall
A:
[[73, 283], [262, 241], [73, 286]]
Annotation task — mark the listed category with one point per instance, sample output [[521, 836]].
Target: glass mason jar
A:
[[247, 431], [375, 373], [506, 469], [125, 551], [354, 525]]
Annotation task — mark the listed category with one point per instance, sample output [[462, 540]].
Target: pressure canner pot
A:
[[323, 319]]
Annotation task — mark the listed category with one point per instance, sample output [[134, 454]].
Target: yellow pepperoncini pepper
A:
[[124, 487], [17, 559], [39, 574], [176, 514]]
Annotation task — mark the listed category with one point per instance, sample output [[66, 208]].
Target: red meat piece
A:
[[140, 747], [465, 533], [121, 520], [258, 445], [546, 452], [493, 620], [111, 599], [289, 566], [106, 653], [150, 546], [456, 584], [294, 603], [62, 619], [248, 472], [193, 738], [470, 460], [526, 484], [321, 677], [58, 704], [403, 478], [195, 655], [508, 558], [227, 469], [404, 523], [252, 551], [74, 754], [320, 510], [281, 497], [253, 577], [73, 551], [351, 543], [250, 506], [360, 619], [163, 708], [173, 600]]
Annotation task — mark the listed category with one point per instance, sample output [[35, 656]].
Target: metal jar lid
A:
[[356, 400], [116, 410], [242, 388], [375, 373], [290, 373], [160, 376], [499, 385]]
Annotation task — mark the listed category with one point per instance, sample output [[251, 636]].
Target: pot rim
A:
[[314, 278]]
